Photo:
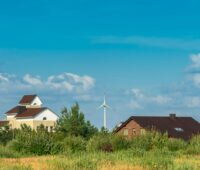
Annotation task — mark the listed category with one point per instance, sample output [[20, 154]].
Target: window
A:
[[142, 131], [44, 118], [125, 132], [47, 128], [179, 129], [134, 131], [51, 128]]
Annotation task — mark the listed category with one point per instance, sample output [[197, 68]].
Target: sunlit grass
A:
[[104, 161]]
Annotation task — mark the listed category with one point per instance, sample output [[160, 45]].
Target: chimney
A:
[[172, 115]]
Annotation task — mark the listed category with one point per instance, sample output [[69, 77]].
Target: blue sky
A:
[[144, 54]]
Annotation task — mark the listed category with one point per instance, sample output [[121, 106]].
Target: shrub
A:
[[74, 144], [6, 153], [120, 143], [57, 148], [176, 144], [107, 143], [6, 135], [31, 142], [149, 140], [101, 142], [194, 145]]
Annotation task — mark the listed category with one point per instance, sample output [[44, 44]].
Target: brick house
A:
[[176, 127]]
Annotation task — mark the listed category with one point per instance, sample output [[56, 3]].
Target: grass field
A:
[[102, 161]]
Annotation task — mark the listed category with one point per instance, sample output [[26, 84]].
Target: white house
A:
[[30, 111]]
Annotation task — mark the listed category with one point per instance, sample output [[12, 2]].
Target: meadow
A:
[[123, 160]]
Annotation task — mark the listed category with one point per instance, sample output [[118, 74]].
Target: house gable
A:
[[30, 101], [46, 115], [132, 128], [36, 102]]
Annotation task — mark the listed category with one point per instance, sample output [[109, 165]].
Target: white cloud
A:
[[134, 105], [192, 101], [161, 99], [86, 81], [35, 81], [3, 78], [66, 82], [194, 69], [137, 93], [71, 82], [196, 79], [195, 58], [141, 97]]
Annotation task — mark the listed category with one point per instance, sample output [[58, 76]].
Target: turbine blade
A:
[[101, 106], [108, 106]]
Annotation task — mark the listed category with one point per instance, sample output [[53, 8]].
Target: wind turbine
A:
[[105, 107]]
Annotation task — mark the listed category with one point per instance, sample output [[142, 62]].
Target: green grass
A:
[[152, 160]]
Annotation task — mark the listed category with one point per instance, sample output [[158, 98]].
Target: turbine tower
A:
[[105, 107]]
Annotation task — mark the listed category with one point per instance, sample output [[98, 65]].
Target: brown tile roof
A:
[[27, 99], [167, 124], [16, 109], [3, 123], [30, 112]]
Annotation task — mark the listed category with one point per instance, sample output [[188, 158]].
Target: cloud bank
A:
[[65, 82]]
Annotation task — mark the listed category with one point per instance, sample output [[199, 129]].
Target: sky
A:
[[145, 55]]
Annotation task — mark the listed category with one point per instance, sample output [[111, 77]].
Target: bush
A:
[[107, 143], [30, 142], [57, 148], [6, 153], [176, 144], [194, 145], [120, 143], [149, 141], [74, 144], [6, 135], [101, 142]]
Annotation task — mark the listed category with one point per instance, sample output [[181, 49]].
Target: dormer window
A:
[[44, 118], [179, 129]]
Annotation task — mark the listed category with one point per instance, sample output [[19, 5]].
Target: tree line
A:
[[73, 133]]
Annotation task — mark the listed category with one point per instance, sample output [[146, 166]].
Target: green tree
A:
[[73, 123], [6, 134]]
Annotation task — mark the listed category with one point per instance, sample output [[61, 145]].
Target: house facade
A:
[[175, 127], [29, 111]]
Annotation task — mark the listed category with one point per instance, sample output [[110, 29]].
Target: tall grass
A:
[[152, 151], [149, 160], [5, 152]]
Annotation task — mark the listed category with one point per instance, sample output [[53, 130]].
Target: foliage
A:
[[6, 134], [73, 123], [120, 143], [149, 140], [101, 142], [194, 145], [74, 144], [30, 141], [7, 153], [107, 142], [176, 144]]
